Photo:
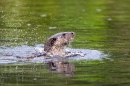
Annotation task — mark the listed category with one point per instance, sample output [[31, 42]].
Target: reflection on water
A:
[[99, 26], [62, 67]]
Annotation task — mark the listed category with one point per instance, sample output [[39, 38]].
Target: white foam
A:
[[87, 54]]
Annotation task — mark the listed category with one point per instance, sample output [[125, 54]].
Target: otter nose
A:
[[72, 32]]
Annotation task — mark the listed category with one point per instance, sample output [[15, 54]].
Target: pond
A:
[[99, 25]]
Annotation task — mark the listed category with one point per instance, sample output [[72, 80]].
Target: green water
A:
[[100, 25]]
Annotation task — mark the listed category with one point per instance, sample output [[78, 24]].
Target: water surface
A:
[[99, 25]]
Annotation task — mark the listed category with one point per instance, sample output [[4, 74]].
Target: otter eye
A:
[[64, 34]]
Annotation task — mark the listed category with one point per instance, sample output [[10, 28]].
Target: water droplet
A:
[[109, 19], [16, 67], [28, 24], [34, 78], [53, 27], [25, 42], [43, 15], [98, 10], [83, 10]]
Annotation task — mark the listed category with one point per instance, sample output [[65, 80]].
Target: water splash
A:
[[21, 54]]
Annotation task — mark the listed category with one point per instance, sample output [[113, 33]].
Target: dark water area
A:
[[99, 25]]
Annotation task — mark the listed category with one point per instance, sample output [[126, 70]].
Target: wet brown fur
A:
[[55, 45]]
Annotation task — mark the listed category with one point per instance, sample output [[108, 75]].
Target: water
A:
[[101, 26]]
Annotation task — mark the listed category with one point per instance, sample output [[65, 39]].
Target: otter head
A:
[[64, 38], [56, 43]]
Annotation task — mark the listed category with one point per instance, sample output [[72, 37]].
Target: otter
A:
[[55, 45]]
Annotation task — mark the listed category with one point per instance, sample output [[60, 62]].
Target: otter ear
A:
[[52, 40], [49, 43]]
